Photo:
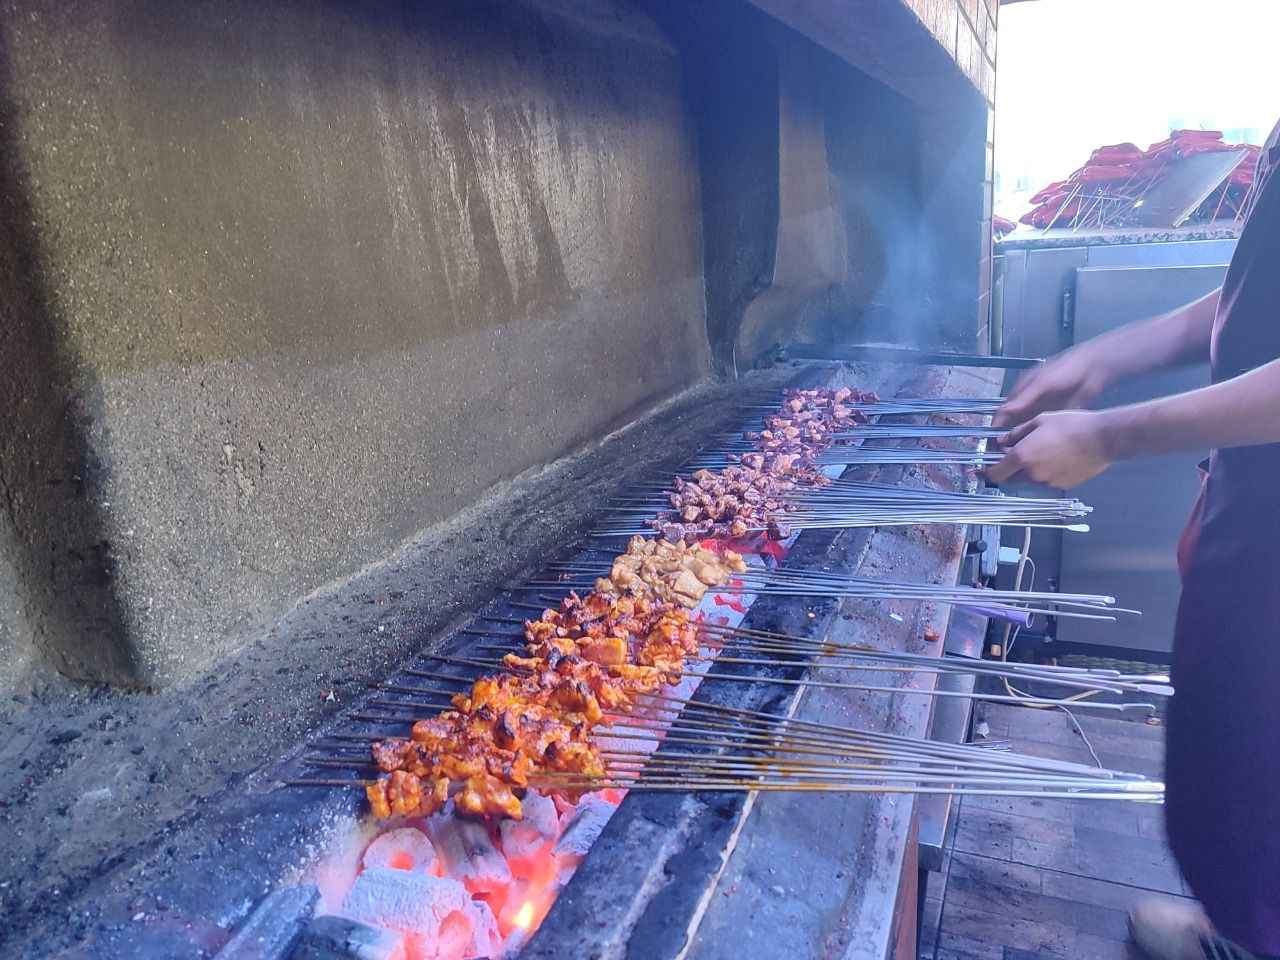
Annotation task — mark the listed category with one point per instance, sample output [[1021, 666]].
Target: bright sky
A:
[[1078, 74]]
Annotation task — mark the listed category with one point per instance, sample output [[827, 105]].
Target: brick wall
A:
[[967, 31]]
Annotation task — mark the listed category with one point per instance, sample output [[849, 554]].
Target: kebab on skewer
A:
[[586, 653], [669, 571], [592, 654], [601, 651], [747, 496]]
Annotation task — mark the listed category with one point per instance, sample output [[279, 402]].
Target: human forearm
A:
[[1076, 378], [1172, 339], [1235, 413], [1067, 448]]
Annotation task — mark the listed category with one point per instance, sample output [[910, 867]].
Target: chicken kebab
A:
[[670, 572], [590, 657], [594, 655], [749, 496]]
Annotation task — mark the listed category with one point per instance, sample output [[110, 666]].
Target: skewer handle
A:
[[817, 351], [1021, 618]]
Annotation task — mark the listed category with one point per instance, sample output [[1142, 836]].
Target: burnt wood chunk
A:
[[337, 938], [273, 927]]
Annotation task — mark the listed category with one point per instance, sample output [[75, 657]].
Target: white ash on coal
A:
[[583, 826], [469, 854], [435, 914], [525, 840], [458, 889], [486, 938], [404, 849]]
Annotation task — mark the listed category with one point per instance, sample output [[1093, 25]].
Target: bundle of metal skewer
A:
[[855, 504], [712, 747], [847, 455], [709, 746], [672, 743], [725, 645], [885, 431], [922, 406], [844, 504], [780, 582]]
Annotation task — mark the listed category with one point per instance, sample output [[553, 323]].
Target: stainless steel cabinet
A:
[[1062, 295], [1140, 506]]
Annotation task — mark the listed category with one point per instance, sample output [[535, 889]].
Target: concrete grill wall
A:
[[283, 283]]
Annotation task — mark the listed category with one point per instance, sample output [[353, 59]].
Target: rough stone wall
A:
[[285, 282]]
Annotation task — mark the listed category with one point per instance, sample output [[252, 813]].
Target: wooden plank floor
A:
[[1051, 879]]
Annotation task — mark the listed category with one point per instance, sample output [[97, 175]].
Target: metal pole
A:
[[819, 351]]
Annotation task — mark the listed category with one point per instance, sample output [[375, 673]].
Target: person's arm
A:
[[1065, 449], [1076, 377]]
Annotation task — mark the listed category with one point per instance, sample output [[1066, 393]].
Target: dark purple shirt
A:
[[1223, 756]]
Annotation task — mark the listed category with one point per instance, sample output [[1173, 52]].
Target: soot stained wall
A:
[[283, 283], [836, 207]]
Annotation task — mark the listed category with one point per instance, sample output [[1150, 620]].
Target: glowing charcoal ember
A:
[[454, 940], [486, 940], [584, 826], [527, 908], [403, 849], [429, 911], [519, 913], [524, 839], [468, 853]]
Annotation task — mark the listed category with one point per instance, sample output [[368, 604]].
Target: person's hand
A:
[[1067, 382], [1062, 449]]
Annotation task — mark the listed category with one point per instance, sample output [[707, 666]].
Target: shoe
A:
[[1167, 930]]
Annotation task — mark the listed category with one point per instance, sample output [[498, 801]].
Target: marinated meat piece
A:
[[392, 754], [673, 532], [379, 805], [486, 796], [608, 651], [662, 570], [404, 793], [689, 586]]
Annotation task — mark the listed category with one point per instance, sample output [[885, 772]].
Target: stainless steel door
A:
[[1140, 506]]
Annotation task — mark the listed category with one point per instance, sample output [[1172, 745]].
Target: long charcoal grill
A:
[[672, 874], [677, 874]]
